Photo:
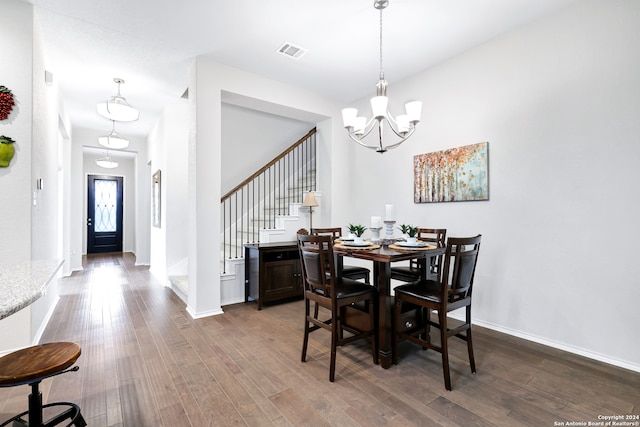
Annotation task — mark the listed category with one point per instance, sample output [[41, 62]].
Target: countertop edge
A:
[[25, 290]]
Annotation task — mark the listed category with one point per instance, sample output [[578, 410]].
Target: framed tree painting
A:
[[452, 175]]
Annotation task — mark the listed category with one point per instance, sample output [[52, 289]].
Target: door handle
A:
[[89, 221]]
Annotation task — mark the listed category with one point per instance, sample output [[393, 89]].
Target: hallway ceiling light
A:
[[113, 140], [403, 126], [117, 108], [106, 162]]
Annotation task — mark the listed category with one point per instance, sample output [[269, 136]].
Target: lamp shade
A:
[[310, 200], [118, 109], [113, 141], [106, 162], [349, 117]]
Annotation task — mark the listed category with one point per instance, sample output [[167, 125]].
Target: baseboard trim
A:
[[554, 344]]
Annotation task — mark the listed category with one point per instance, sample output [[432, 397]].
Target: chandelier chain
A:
[[381, 69]]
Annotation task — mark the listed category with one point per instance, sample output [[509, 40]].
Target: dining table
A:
[[383, 255]]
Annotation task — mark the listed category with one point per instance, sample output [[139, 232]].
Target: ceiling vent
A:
[[291, 51]]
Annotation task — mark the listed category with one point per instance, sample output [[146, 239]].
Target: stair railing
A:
[[255, 203]]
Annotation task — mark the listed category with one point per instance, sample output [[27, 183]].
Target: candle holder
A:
[[375, 233], [388, 225]]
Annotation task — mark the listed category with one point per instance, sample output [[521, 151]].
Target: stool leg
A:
[[35, 406]]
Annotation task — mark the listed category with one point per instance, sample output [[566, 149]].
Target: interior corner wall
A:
[[158, 235], [261, 134], [16, 43], [45, 160], [176, 183], [207, 83], [83, 164], [558, 101]]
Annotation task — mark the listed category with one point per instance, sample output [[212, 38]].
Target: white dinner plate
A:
[[412, 245], [351, 243]]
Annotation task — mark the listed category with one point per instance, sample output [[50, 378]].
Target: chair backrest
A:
[[437, 237], [460, 261], [318, 267], [334, 232]]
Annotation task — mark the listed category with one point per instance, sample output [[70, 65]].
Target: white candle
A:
[[376, 222], [388, 210]]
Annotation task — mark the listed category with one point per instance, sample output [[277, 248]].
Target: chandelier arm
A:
[[404, 138], [410, 131], [361, 143]]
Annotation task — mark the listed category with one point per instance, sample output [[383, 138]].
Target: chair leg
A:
[[305, 341], [472, 361], [444, 349], [335, 326], [426, 318]]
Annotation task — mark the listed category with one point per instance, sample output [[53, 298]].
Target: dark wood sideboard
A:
[[272, 272]]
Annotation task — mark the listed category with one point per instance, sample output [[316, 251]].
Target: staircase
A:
[[262, 201], [263, 208]]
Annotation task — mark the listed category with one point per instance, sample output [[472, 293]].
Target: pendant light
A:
[[117, 108], [113, 140], [107, 162], [402, 126]]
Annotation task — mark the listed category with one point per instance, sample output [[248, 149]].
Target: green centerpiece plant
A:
[[409, 230], [357, 230]]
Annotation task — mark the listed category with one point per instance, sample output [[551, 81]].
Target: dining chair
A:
[[450, 292], [323, 287], [411, 272], [350, 271]]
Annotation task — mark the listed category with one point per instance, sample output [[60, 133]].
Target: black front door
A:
[[104, 216]]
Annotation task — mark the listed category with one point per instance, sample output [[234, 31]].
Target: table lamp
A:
[[310, 202]]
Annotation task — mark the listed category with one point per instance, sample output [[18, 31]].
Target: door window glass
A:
[[106, 204]]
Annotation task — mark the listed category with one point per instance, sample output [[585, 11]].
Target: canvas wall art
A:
[[452, 175]]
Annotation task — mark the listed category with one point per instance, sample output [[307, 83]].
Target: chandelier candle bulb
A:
[[349, 117], [379, 107], [414, 111], [388, 213], [403, 123]]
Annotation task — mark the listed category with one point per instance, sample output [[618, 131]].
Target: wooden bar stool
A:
[[32, 365]]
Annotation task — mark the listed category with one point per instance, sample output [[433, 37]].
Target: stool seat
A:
[[30, 366], [37, 362]]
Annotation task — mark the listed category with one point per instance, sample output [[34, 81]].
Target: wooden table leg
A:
[[382, 278]]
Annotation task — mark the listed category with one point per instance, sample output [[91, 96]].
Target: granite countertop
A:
[[24, 282]]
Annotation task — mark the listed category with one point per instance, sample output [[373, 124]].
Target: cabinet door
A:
[[280, 279]]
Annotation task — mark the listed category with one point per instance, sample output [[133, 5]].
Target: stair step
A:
[[180, 285]]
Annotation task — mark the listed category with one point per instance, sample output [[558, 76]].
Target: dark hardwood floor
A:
[[146, 362]]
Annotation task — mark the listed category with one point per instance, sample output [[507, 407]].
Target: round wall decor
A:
[[6, 102], [6, 151]]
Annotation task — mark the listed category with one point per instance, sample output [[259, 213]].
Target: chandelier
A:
[[403, 125], [117, 108], [113, 140]]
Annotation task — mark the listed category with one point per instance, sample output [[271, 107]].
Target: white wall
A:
[[169, 153], [30, 225], [251, 139], [16, 43], [558, 101]]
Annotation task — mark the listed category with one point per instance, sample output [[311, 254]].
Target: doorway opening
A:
[[104, 214]]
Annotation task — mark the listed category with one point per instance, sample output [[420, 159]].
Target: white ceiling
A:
[[151, 43]]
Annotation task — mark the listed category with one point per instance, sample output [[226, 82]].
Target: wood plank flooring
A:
[[146, 362]]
